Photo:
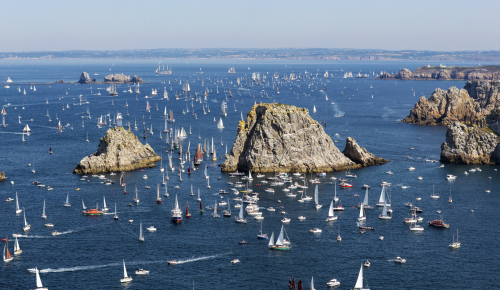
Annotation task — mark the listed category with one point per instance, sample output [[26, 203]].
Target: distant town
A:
[[285, 53]]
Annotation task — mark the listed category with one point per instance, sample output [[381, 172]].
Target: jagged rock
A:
[[60, 82], [119, 150], [470, 145], [283, 138], [403, 74], [2, 176], [360, 155], [84, 78], [136, 79], [117, 78], [445, 107]]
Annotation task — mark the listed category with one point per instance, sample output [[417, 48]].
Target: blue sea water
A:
[[89, 253]]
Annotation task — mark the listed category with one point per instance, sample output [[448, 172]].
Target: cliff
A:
[[472, 105], [284, 138], [119, 150], [469, 73], [470, 145]]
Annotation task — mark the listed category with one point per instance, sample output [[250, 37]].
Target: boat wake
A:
[[199, 259], [30, 237], [78, 268]]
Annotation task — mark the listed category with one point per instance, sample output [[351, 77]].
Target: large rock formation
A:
[[119, 150], [486, 72], [2, 176], [360, 155], [470, 145], [117, 78], [84, 78], [284, 138], [136, 79]]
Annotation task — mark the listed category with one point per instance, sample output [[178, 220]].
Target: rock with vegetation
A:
[[467, 73], [119, 150], [284, 138], [470, 145], [2, 176], [84, 78]]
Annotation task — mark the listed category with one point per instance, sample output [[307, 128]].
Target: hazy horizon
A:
[[124, 25]]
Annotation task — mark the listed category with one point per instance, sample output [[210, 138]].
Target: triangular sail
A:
[[176, 203], [361, 211], [316, 194], [16, 246], [359, 282], [17, 203], [124, 270], [38, 280], [312, 283], [104, 202], [271, 240], [140, 230], [279, 242], [330, 211], [384, 211], [241, 212], [365, 202], [43, 213], [382, 195]]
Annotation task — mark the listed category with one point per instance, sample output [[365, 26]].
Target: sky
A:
[[116, 25]]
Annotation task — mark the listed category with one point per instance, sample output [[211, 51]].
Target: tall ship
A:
[[231, 71], [160, 71], [176, 212], [198, 155], [112, 90]]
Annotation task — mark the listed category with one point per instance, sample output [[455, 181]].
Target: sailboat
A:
[[220, 125], [67, 204], [362, 216], [280, 243], [39, 285], [331, 213], [318, 206], [17, 249], [83, 205], [26, 225], [116, 216], [335, 198], [125, 278], [240, 218], [214, 214], [449, 199], [136, 199], [44, 216], [6, 254], [176, 212], [188, 214], [314, 109], [359, 282], [312, 284], [141, 237], [384, 214], [158, 198], [365, 201], [18, 210], [261, 235], [199, 198], [381, 201], [454, 245]]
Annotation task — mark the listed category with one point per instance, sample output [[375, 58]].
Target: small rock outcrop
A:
[[136, 79], [119, 150], [117, 78], [2, 176], [84, 78], [284, 138], [470, 145], [360, 155]]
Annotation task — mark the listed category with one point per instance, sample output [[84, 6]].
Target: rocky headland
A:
[[119, 150], [284, 138], [469, 73], [115, 78], [472, 105]]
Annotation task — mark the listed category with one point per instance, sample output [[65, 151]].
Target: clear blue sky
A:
[[116, 25]]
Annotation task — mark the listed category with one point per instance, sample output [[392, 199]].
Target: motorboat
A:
[[315, 231], [333, 282], [49, 225], [285, 220], [151, 229], [302, 218], [235, 261], [142, 272], [173, 262], [399, 260], [367, 263], [56, 233]]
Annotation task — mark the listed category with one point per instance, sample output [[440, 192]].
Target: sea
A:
[[90, 251]]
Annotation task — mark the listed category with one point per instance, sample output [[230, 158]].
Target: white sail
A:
[[359, 282], [67, 198], [16, 246], [361, 211], [271, 240], [176, 203], [365, 202], [140, 231], [104, 202], [330, 211], [25, 223], [241, 211], [382, 196], [124, 270], [312, 283], [38, 280], [316, 194], [43, 213], [384, 211], [279, 241], [17, 204]]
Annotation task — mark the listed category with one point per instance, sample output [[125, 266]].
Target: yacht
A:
[[333, 282], [400, 260], [142, 272]]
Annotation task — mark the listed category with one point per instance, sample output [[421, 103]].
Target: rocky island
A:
[[443, 73], [284, 138], [119, 150], [115, 78], [2, 176]]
